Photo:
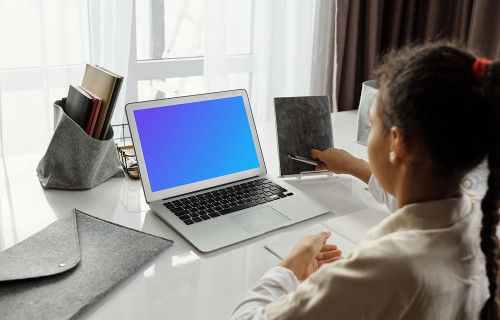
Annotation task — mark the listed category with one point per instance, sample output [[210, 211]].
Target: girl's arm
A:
[[342, 162]]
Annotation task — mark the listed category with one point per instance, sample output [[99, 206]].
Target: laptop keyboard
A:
[[213, 204]]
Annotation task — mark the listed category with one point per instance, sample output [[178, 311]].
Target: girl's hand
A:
[[342, 162], [310, 253]]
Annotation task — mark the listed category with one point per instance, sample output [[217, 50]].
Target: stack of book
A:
[[91, 105]]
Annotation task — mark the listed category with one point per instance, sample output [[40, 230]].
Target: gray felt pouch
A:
[[74, 160], [67, 267]]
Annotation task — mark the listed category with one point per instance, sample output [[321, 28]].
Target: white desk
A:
[[181, 283]]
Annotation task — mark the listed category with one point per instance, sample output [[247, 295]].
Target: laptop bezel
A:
[[201, 185]]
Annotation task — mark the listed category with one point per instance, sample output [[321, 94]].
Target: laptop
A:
[[203, 172]]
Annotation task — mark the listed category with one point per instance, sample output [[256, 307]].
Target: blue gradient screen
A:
[[195, 141]]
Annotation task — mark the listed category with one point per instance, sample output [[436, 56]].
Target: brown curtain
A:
[[365, 29]]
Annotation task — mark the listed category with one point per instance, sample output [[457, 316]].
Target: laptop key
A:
[[205, 217], [197, 219], [174, 210], [181, 213], [273, 197], [169, 205], [214, 214], [188, 221], [260, 201], [185, 217], [239, 207]]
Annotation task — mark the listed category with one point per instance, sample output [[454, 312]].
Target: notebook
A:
[[112, 102], [96, 106], [347, 232], [78, 105], [203, 172], [302, 124], [102, 84]]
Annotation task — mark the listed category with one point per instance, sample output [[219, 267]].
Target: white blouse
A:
[[422, 262]]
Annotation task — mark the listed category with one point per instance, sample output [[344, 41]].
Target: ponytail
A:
[[491, 201]]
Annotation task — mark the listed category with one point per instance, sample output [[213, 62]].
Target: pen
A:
[[304, 159]]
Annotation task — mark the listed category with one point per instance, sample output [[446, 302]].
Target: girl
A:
[[436, 117]]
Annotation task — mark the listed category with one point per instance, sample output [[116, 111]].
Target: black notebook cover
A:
[[302, 124], [78, 105], [112, 103]]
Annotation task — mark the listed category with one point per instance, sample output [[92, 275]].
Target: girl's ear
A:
[[398, 149]]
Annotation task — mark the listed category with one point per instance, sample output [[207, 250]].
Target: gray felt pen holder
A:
[[74, 160]]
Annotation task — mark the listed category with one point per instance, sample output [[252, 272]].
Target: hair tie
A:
[[479, 68]]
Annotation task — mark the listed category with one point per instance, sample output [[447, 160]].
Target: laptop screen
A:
[[195, 141]]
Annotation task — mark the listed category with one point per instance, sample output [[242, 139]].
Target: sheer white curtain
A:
[[283, 52], [111, 34], [283, 32], [215, 63], [44, 45], [324, 50]]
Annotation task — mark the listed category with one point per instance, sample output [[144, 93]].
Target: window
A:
[[44, 45], [50, 41], [170, 45]]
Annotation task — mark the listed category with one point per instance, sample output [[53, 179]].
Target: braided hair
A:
[[491, 201], [432, 93]]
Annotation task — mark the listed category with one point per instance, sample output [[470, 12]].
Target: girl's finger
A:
[[322, 262], [328, 247], [328, 255]]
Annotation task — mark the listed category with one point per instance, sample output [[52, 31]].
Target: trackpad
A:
[[259, 220]]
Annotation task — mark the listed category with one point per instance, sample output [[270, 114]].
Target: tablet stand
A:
[[311, 173]]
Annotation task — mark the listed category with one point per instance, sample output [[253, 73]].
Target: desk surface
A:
[[181, 283]]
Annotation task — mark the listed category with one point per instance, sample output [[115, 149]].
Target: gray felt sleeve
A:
[[302, 124], [108, 254], [368, 95]]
